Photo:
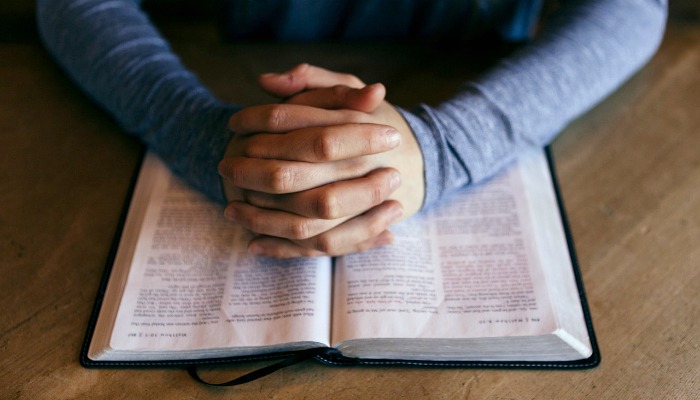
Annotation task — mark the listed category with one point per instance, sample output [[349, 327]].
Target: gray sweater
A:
[[590, 47]]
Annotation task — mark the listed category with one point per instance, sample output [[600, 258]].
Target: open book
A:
[[488, 278]]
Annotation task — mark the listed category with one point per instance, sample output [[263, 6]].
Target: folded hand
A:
[[324, 173]]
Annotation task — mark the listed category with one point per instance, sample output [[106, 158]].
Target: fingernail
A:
[[230, 214], [274, 75], [384, 239], [372, 86], [256, 249], [369, 87], [394, 181], [392, 137], [396, 214]]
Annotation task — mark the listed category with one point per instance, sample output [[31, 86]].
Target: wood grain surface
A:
[[629, 172]]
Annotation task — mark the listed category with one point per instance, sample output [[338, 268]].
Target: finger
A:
[[304, 77], [280, 248], [277, 223], [283, 248], [366, 99], [347, 235], [352, 235], [323, 144], [335, 200], [279, 176], [279, 118]]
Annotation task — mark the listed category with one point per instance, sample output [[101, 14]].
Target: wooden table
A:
[[630, 177]]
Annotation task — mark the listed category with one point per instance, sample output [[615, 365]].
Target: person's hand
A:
[[405, 158], [292, 203], [319, 189]]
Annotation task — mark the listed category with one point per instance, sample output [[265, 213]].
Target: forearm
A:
[[113, 52], [582, 54]]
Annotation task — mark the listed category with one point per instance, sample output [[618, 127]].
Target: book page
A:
[[470, 268], [193, 288]]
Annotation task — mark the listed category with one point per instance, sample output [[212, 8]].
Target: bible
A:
[[488, 278]]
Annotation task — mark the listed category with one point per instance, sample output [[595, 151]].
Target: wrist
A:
[[429, 150]]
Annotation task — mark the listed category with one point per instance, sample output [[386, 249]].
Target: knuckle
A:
[[301, 229], [276, 117], [327, 147], [242, 121], [376, 225], [340, 92], [234, 175], [301, 68], [353, 81], [251, 222], [229, 170], [376, 194], [356, 117], [327, 206], [326, 244], [254, 150], [258, 199], [359, 166], [282, 179]]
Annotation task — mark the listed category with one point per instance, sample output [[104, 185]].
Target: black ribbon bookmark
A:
[[298, 357]]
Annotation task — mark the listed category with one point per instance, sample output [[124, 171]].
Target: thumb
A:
[[305, 77], [366, 99]]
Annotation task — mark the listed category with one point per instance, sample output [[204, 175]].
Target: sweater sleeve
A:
[[113, 52], [581, 55]]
